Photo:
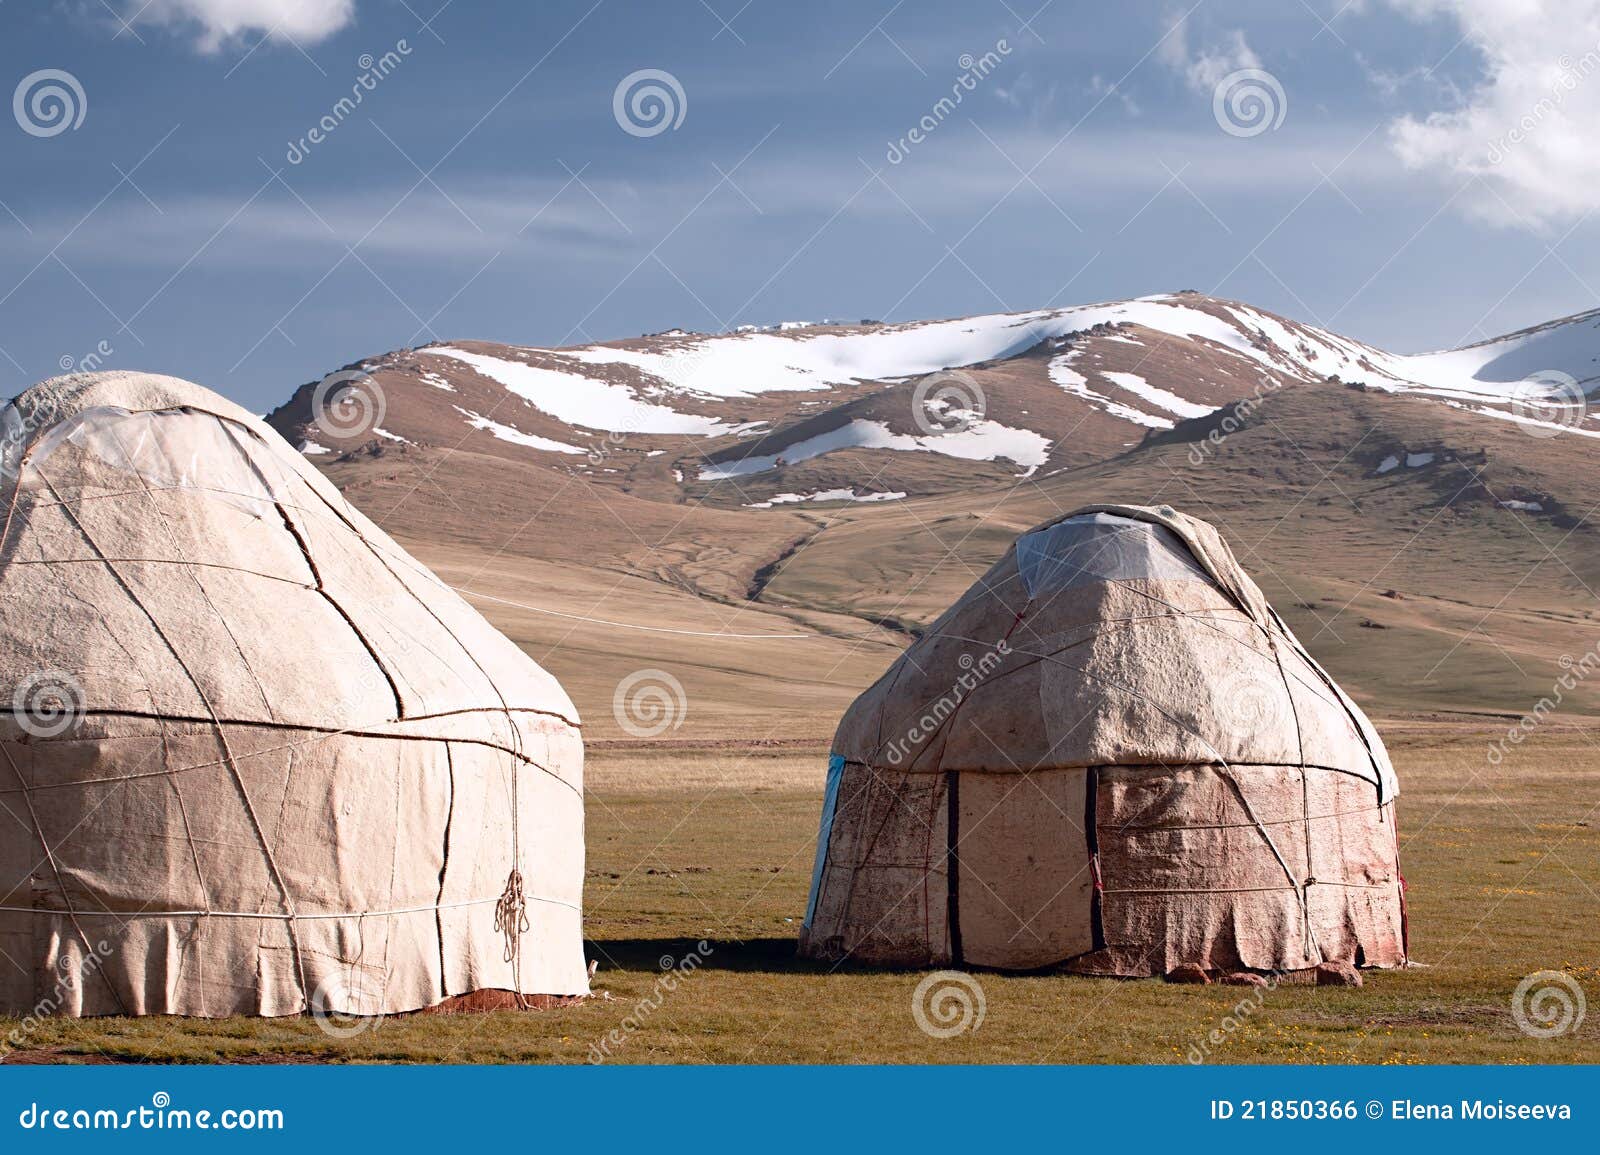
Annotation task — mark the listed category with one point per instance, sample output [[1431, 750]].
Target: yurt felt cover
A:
[[1110, 750], [255, 758]]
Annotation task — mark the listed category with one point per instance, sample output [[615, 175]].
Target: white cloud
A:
[[1204, 70], [218, 22], [1027, 95], [1101, 89], [1527, 131]]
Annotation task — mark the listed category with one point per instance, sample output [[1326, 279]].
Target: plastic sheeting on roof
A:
[[1102, 547], [166, 449]]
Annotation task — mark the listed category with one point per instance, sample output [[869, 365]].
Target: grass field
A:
[[715, 845]]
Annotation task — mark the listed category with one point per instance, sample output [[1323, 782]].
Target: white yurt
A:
[[254, 758]]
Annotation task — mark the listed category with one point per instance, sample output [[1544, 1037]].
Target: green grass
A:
[[1503, 864]]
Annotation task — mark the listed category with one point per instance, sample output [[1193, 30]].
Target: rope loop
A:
[[511, 915]]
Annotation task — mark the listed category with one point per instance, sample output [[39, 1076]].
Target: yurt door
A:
[[1026, 881]]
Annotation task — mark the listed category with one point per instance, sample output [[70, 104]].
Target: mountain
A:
[[768, 516], [876, 412]]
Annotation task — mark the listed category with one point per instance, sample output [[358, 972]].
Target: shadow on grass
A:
[[780, 956], [748, 956]]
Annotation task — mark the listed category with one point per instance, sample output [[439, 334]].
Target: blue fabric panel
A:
[[830, 799]]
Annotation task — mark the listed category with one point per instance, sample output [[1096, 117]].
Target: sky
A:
[[253, 193]]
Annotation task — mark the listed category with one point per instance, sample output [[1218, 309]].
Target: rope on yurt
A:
[[511, 911], [1330, 816], [1308, 937], [514, 905], [511, 914]]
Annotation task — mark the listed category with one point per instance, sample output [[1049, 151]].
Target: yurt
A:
[[254, 758], [1109, 756]]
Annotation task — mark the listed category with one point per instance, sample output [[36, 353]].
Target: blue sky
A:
[[484, 187]]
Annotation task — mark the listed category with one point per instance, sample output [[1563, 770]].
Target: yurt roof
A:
[[362, 634], [1115, 634]]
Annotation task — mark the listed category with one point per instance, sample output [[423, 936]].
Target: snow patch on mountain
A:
[[1062, 373], [515, 436], [744, 364], [584, 401], [848, 494], [981, 441], [1160, 398]]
